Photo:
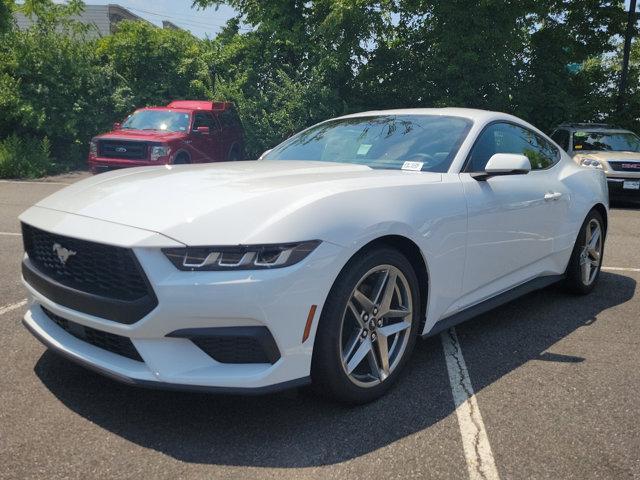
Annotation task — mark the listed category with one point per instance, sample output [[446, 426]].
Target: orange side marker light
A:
[[307, 327]]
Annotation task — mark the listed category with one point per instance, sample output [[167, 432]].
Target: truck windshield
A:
[[606, 141], [162, 120], [416, 142]]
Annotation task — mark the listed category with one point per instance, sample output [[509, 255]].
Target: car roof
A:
[[192, 106], [470, 113], [479, 117]]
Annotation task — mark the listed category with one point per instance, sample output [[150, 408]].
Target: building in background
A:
[[104, 17]]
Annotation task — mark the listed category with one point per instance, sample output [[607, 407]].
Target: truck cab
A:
[[185, 131]]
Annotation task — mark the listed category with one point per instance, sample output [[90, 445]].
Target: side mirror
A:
[[116, 126], [203, 130], [264, 154], [504, 164]]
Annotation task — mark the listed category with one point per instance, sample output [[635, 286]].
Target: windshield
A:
[[385, 141], [606, 141], [163, 120]]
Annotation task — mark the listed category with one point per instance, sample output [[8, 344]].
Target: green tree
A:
[[6, 15], [51, 84], [153, 66]]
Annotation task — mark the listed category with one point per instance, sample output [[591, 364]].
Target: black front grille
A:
[[106, 341], [101, 280], [122, 149], [98, 269], [625, 166]]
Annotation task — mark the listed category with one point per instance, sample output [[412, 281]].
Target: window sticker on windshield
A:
[[415, 166], [581, 134], [363, 149]]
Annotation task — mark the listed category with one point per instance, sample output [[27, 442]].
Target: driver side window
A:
[[203, 120], [510, 138]]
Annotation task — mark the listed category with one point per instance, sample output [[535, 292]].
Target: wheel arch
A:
[[182, 152], [412, 252], [602, 210]]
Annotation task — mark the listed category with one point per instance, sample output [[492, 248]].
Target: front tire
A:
[[584, 266], [182, 159], [368, 327]]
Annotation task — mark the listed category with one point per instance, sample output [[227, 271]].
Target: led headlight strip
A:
[[242, 257]]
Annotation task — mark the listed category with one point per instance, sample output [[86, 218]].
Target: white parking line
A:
[[34, 182], [475, 443], [12, 306], [11, 234], [621, 269]]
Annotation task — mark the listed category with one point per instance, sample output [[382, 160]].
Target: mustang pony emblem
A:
[[63, 253]]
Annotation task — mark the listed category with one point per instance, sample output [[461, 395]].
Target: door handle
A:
[[552, 196]]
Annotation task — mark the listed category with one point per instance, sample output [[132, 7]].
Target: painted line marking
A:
[[34, 182], [11, 234], [621, 269], [477, 451], [12, 306]]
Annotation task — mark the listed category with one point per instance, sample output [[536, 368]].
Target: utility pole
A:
[[628, 36]]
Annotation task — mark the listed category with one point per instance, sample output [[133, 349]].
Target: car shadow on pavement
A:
[[294, 429]]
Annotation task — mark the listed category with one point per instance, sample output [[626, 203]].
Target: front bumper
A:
[[617, 190], [102, 164], [278, 300]]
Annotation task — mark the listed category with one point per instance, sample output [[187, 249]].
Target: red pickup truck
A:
[[186, 131]]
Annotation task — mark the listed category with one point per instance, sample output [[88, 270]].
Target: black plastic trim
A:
[[120, 311], [481, 176], [276, 387], [260, 334], [493, 302]]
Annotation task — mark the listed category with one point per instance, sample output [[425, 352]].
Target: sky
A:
[[201, 23]]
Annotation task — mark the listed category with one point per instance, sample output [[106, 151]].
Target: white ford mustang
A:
[[323, 261]]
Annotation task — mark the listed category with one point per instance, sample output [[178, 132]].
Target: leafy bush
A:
[[51, 84], [24, 157]]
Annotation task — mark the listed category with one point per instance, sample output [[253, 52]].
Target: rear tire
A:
[[368, 327], [584, 266], [234, 155]]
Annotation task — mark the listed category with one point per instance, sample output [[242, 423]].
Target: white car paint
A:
[[478, 239]]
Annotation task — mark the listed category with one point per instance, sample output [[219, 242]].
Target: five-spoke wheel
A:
[[584, 266], [368, 326], [375, 325]]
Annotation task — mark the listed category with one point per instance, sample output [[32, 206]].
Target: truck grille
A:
[[122, 149], [110, 342], [625, 166]]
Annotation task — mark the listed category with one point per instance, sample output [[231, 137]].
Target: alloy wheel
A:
[[376, 326], [591, 253]]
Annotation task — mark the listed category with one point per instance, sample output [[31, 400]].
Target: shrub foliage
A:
[[288, 64]]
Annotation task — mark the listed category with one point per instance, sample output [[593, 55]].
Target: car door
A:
[[231, 134], [513, 220], [204, 145]]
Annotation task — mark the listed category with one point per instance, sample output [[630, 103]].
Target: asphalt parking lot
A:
[[556, 380]]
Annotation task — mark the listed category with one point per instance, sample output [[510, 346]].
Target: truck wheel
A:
[[234, 155], [181, 159]]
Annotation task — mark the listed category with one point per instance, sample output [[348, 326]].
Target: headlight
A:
[[243, 257], [93, 148], [588, 162], [159, 151]]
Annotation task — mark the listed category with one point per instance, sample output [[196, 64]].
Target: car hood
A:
[[611, 156], [232, 202], [138, 135]]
